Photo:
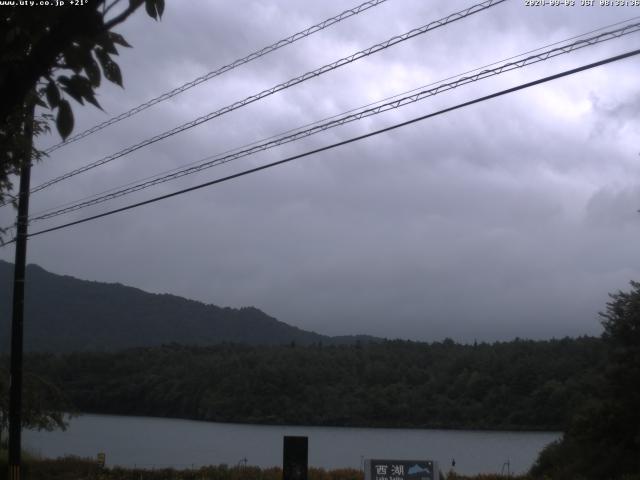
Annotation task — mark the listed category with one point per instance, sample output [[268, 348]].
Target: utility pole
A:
[[17, 319]]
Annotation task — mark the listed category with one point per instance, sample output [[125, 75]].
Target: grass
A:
[[75, 468]]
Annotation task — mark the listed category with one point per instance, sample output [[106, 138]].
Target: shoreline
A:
[[328, 425]]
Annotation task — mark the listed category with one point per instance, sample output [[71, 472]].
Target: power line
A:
[[421, 95], [282, 86], [345, 142], [236, 63], [316, 122]]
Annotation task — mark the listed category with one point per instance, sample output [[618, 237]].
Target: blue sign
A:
[[401, 470]]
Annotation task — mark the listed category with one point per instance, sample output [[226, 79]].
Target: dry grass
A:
[[74, 468]]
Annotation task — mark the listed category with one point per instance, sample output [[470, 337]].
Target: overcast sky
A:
[[513, 217]]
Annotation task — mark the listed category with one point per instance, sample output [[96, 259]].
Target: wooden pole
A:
[[17, 319]]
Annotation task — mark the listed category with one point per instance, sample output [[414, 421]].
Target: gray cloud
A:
[[510, 218]]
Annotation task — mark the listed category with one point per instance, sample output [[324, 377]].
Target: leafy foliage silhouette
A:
[[49, 55]]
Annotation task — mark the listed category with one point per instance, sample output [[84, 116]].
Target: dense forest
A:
[[602, 439], [587, 387], [512, 385]]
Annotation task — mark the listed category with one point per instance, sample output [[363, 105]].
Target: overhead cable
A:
[[224, 69], [347, 118], [341, 143], [282, 86], [325, 119]]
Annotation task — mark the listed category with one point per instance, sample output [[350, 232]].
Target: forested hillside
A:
[[513, 385], [65, 314]]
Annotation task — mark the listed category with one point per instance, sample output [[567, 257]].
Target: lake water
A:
[[158, 442]]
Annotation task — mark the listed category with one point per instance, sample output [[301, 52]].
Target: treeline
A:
[[511, 385], [602, 438]]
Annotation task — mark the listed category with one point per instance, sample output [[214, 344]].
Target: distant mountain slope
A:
[[64, 314]]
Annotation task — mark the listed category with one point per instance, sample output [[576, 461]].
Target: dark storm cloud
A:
[[510, 218]]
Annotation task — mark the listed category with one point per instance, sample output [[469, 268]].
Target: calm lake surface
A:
[[158, 442]]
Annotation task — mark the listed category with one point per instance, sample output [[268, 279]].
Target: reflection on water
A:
[[158, 442]]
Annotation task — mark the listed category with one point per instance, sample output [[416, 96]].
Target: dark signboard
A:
[[402, 470], [295, 458]]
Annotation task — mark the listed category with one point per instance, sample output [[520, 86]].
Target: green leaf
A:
[[160, 7], [103, 57], [53, 94], [64, 120], [110, 68], [113, 73], [86, 90], [38, 101], [106, 41], [79, 86], [69, 87], [119, 39], [93, 71], [91, 98], [73, 58], [150, 6]]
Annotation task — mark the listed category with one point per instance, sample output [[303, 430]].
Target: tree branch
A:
[[109, 7], [133, 6]]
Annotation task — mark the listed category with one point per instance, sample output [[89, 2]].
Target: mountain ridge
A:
[[65, 314]]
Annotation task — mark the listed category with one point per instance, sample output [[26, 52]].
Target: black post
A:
[[15, 387], [295, 458]]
